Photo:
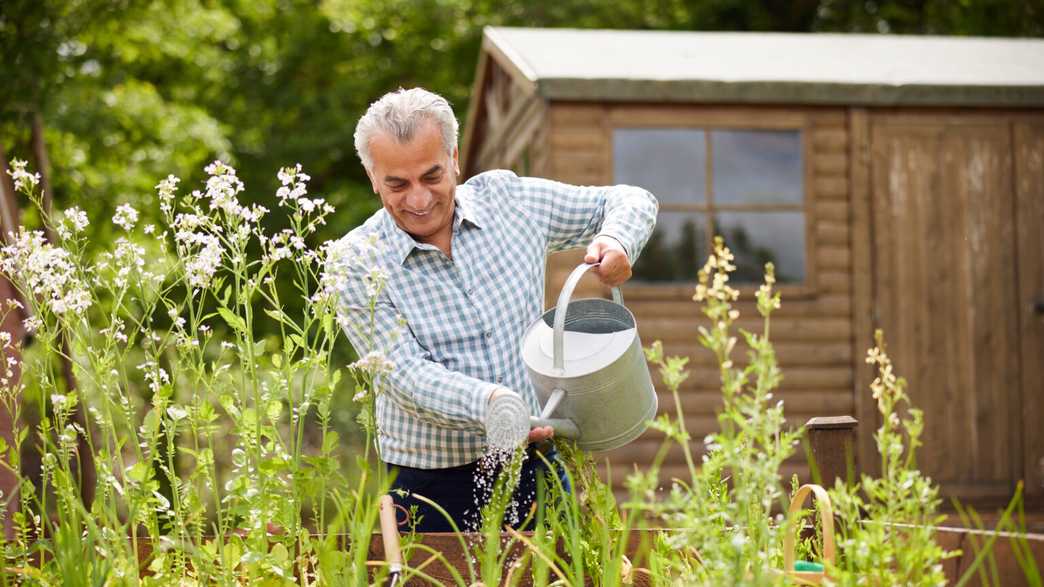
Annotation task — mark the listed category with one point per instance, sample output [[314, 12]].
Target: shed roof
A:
[[804, 68]]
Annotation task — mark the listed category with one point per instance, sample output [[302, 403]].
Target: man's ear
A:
[[456, 162]]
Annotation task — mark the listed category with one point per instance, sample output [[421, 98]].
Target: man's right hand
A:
[[537, 434]]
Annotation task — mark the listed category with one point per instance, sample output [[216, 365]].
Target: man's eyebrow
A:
[[434, 169]]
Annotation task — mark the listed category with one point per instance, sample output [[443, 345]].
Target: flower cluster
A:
[[166, 190], [294, 191], [46, 270], [24, 181], [716, 272], [125, 217], [74, 221]]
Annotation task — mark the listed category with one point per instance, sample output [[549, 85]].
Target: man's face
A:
[[416, 182]]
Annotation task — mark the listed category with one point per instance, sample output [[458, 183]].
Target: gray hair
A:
[[399, 114]]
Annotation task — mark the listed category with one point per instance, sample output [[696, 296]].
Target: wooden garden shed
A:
[[896, 183]]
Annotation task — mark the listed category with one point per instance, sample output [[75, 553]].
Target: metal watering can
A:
[[586, 363]]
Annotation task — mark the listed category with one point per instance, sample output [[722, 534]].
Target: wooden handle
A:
[[390, 533], [826, 520]]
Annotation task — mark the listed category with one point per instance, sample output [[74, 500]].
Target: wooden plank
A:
[[862, 283], [831, 139], [506, 127], [792, 352], [834, 258], [984, 163], [795, 379], [585, 139], [945, 293], [835, 281], [579, 115], [830, 164], [830, 188], [1029, 190], [832, 211], [829, 117], [674, 115], [524, 133], [681, 305], [576, 166], [799, 328], [833, 233], [796, 402]]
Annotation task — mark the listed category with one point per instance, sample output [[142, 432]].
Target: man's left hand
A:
[[614, 267]]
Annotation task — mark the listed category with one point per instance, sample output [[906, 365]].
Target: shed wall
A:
[[813, 329]]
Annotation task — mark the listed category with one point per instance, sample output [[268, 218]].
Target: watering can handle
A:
[[563, 305]]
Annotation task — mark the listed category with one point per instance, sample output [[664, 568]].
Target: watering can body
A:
[[585, 360]]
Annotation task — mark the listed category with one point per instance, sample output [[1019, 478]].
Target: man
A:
[[464, 266]]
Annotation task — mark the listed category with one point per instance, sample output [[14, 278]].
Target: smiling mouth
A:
[[419, 214]]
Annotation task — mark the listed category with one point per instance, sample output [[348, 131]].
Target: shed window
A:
[[746, 185]]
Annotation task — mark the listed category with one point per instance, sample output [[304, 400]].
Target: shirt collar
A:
[[401, 244]]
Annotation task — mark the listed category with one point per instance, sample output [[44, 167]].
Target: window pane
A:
[[758, 237], [676, 250], [670, 162], [755, 166]]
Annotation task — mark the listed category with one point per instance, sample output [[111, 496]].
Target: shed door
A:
[[947, 295]]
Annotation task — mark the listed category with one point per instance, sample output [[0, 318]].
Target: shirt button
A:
[[488, 333]]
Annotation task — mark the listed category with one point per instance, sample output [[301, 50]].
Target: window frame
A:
[[709, 119]]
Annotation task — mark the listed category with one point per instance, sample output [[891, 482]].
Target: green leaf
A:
[[331, 441], [274, 410], [277, 360], [232, 319], [279, 553], [259, 347], [277, 315]]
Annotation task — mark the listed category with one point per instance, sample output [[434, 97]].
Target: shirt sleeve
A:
[[421, 387], [573, 215]]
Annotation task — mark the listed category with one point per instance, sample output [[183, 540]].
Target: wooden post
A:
[[831, 446]]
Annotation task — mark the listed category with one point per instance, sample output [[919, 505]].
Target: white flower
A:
[[77, 219], [166, 190], [126, 217], [149, 229], [46, 270], [155, 375], [23, 180], [222, 188], [31, 324], [374, 363], [200, 268]]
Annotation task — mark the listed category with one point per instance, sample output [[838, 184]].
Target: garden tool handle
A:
[[826, 520], [563, 305], [390, 534]]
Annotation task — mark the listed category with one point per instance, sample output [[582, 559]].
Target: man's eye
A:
[[433, 178]]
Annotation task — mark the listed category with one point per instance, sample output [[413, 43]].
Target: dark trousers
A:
[[455, 490]]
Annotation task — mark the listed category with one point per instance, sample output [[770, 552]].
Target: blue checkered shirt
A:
[[465, 317]]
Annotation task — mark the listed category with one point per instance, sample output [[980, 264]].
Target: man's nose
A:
[[419, 198]]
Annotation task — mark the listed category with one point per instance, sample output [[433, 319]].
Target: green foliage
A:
[[896, 542], [217, 456]]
